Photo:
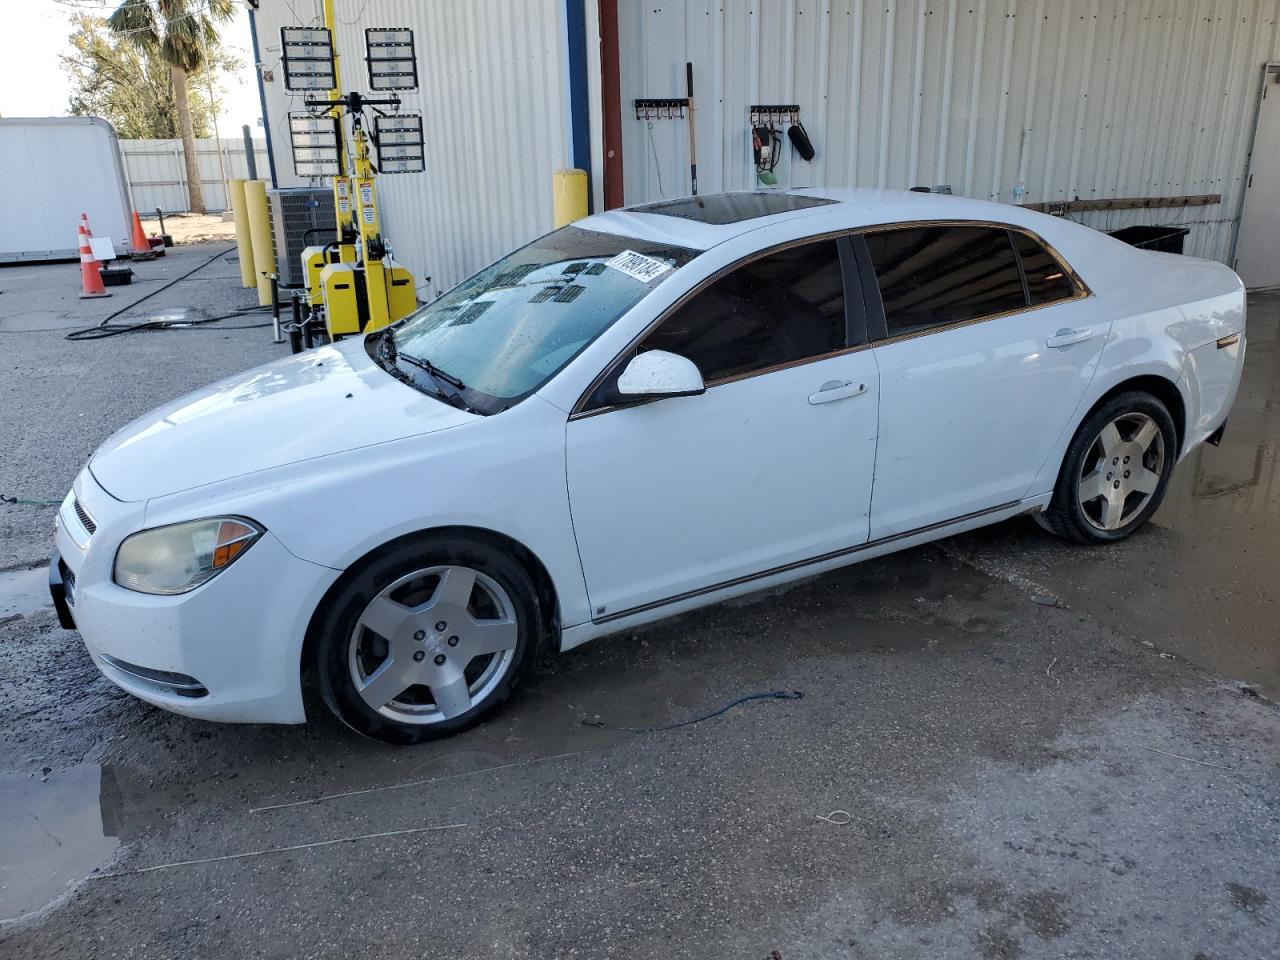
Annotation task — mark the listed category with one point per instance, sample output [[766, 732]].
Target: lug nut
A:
[[1126, 474], [441, 627], [439, 659], [419, 656], [1126, 459], [420, 635], [1115, 459], [1117, 484], [453, 641]]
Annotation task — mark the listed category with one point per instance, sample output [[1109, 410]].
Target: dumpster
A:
[[1161, 239]]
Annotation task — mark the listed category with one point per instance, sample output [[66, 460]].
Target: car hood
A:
[[325, 401]]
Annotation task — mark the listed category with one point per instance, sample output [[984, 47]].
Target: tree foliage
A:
[[114, 78], [179, 30]]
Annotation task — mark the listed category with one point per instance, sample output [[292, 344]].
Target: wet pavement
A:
[[23, 591], [52, 831], [1007, 747]]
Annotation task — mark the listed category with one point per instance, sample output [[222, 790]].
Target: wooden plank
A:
[[1126, 203]]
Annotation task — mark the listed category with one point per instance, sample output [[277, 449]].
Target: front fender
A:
[[504, 473]]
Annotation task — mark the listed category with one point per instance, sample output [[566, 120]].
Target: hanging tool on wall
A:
[[767, 120], [800, 141], [765, 147], [693, 132]]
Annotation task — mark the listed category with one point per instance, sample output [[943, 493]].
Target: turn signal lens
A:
[[233, 536], [179, 558]]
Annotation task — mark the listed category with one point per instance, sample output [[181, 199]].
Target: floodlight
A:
[[390, 57]]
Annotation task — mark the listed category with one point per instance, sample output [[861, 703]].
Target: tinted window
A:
[[937, 275], [783, 307], [1046, 280]]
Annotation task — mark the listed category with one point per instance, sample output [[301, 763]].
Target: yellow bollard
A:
[[264, 257], [244, 245], [570, 190]]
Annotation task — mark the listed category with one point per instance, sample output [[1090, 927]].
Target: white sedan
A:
[[647, 411]]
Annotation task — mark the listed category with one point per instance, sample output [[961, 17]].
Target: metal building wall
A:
[[1075, 98], [491, 91]]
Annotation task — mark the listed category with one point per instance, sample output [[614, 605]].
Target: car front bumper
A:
[[229, 650]]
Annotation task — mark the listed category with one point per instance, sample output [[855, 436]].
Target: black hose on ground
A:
[[101, 330], [766, 695]]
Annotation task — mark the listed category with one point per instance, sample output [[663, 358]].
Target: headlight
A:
[[178, 558]]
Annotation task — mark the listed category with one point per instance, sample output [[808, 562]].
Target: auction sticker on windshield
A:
[[645, 269]]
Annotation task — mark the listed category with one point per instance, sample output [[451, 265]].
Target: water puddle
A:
[[177, 316], [52, 836], [24, 592]]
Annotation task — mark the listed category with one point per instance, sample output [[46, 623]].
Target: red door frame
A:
[[611, 103]]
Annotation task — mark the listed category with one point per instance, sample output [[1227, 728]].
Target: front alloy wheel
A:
[[426, 639], [433, 644]]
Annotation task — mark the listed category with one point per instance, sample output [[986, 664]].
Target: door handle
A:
[[837, 390], [1065, 337]]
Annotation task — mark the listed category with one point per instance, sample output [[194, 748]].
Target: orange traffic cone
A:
[[91, 284], [139, 246], [84, 222]]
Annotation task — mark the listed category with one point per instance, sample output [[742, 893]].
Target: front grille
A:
[[85, 520]]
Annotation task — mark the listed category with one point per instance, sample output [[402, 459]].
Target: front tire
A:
[[426, 639], [1115, 471]]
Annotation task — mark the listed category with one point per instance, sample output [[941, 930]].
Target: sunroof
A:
[[722, 208]]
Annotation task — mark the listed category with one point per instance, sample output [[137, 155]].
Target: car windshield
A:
[[502, 334]]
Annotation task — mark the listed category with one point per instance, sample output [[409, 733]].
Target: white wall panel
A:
[[491, 91], [1074, 98]]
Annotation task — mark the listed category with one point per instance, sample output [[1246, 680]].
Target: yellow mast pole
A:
[[375, 277], [342, 182]]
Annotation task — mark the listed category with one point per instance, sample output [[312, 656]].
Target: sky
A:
[[34, 84]]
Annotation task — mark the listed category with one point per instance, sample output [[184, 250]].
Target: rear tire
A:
[[1115, 471], [426, 638]]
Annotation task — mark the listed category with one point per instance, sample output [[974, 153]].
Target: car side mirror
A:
[[655, 374]]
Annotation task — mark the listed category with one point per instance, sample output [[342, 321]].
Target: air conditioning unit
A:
[[300, 217]]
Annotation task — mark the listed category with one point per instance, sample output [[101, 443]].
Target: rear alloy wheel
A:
[[427, 640], [1115, 472]]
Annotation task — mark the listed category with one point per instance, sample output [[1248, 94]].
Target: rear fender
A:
[[1137, 346]]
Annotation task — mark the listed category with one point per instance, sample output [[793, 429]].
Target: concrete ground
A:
[[192, 227], [1007, 746]]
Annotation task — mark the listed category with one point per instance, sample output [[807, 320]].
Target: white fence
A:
[[157, 173]]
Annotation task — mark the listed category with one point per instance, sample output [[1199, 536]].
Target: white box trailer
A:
[[52, 169]]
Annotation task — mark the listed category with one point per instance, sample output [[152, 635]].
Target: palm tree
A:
[[182, 31]]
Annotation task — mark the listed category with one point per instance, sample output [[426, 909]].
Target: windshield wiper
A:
[[435, 372], [438, 377]]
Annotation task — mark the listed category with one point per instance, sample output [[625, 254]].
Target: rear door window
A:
[[934, 276], [1047, 279]]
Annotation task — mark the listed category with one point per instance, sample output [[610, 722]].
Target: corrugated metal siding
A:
[[491, 92], [157, 173], [1075, 98]]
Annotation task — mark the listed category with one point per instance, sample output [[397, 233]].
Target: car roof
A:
[[682, 222]]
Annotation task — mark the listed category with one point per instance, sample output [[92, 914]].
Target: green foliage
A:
[[179, 30], [130, 85]]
